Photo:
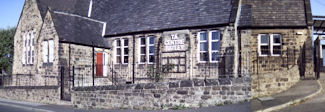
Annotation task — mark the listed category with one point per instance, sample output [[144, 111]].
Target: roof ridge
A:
[[75, 15]]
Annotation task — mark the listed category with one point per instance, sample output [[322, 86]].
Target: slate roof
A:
[[79, 7], [275, 13], [125, 16], [79, 30]]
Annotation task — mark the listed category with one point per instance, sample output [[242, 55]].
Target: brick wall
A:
[[149, 96]]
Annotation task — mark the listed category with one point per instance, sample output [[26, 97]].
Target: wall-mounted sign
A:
[[175, 41]]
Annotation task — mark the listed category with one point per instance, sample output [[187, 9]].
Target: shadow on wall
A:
[[302, 62], [227, 63]]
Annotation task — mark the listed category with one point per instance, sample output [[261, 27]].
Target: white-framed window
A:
[[147, 50], [28, 48], [276, 49], [121, 51], [215, 46], [269, 44], [51, 51], [209, 46], [48, 51]]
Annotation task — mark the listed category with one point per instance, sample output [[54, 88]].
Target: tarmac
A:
[[302, 91], [315, 104]]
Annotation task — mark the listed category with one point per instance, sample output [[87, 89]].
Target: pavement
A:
[[315, 104], [19, 106], [301, 91]]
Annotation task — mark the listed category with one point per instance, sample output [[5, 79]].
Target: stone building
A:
[[61, 44], [279, 35]]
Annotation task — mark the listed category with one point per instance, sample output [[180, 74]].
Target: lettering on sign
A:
[[174, 43]]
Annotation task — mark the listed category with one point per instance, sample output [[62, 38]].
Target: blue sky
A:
[[10, 11]]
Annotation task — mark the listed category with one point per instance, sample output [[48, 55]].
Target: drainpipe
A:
[[133, 61], [69, 64], [236, 49], [92, 43]]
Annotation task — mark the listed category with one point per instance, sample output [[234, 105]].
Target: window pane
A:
[[277, 50], [204, 56], [151, 58], [264, 39], [204, 46], [203, 36], [152, 40], [28, 41], [143, 41], [126, 51], [277, 39], [51, 50], [126, 59], [143, 58], [152, 49], [216, 35], [126, 42], [32, 56], [118, 59], [118, 42], [215, 45], [118, 51], [215, 56], [265, 50], [143, 50], [28, 57]]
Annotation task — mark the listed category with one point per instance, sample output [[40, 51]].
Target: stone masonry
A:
[[188, 93], [40, 94], [274, 74], [193, 69]]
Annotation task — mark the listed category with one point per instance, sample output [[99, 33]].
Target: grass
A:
[[179, 107]]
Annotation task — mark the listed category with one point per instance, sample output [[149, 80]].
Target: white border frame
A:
[[210, 45], [147, 45], [198, 46], [260, 44], [272, 44]]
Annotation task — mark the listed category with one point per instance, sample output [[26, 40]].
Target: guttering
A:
[[167, 29], [272, 27], [75, 43]]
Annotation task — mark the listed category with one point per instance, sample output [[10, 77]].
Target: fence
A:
[[98, 75], [6, 80], [283, 59]]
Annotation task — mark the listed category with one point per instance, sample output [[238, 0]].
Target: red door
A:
[[99, 65]]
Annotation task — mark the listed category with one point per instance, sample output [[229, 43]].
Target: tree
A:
[[6, 49]]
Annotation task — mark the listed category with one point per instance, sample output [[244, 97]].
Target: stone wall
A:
[[266, 84], [30, 21], [190, 93], [274, 74], [40, 94], [193, 69]]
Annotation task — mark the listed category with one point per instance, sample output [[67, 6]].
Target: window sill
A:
[[269, 55], [48, 64], [146, 63], [25, 65], [101, 77]]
